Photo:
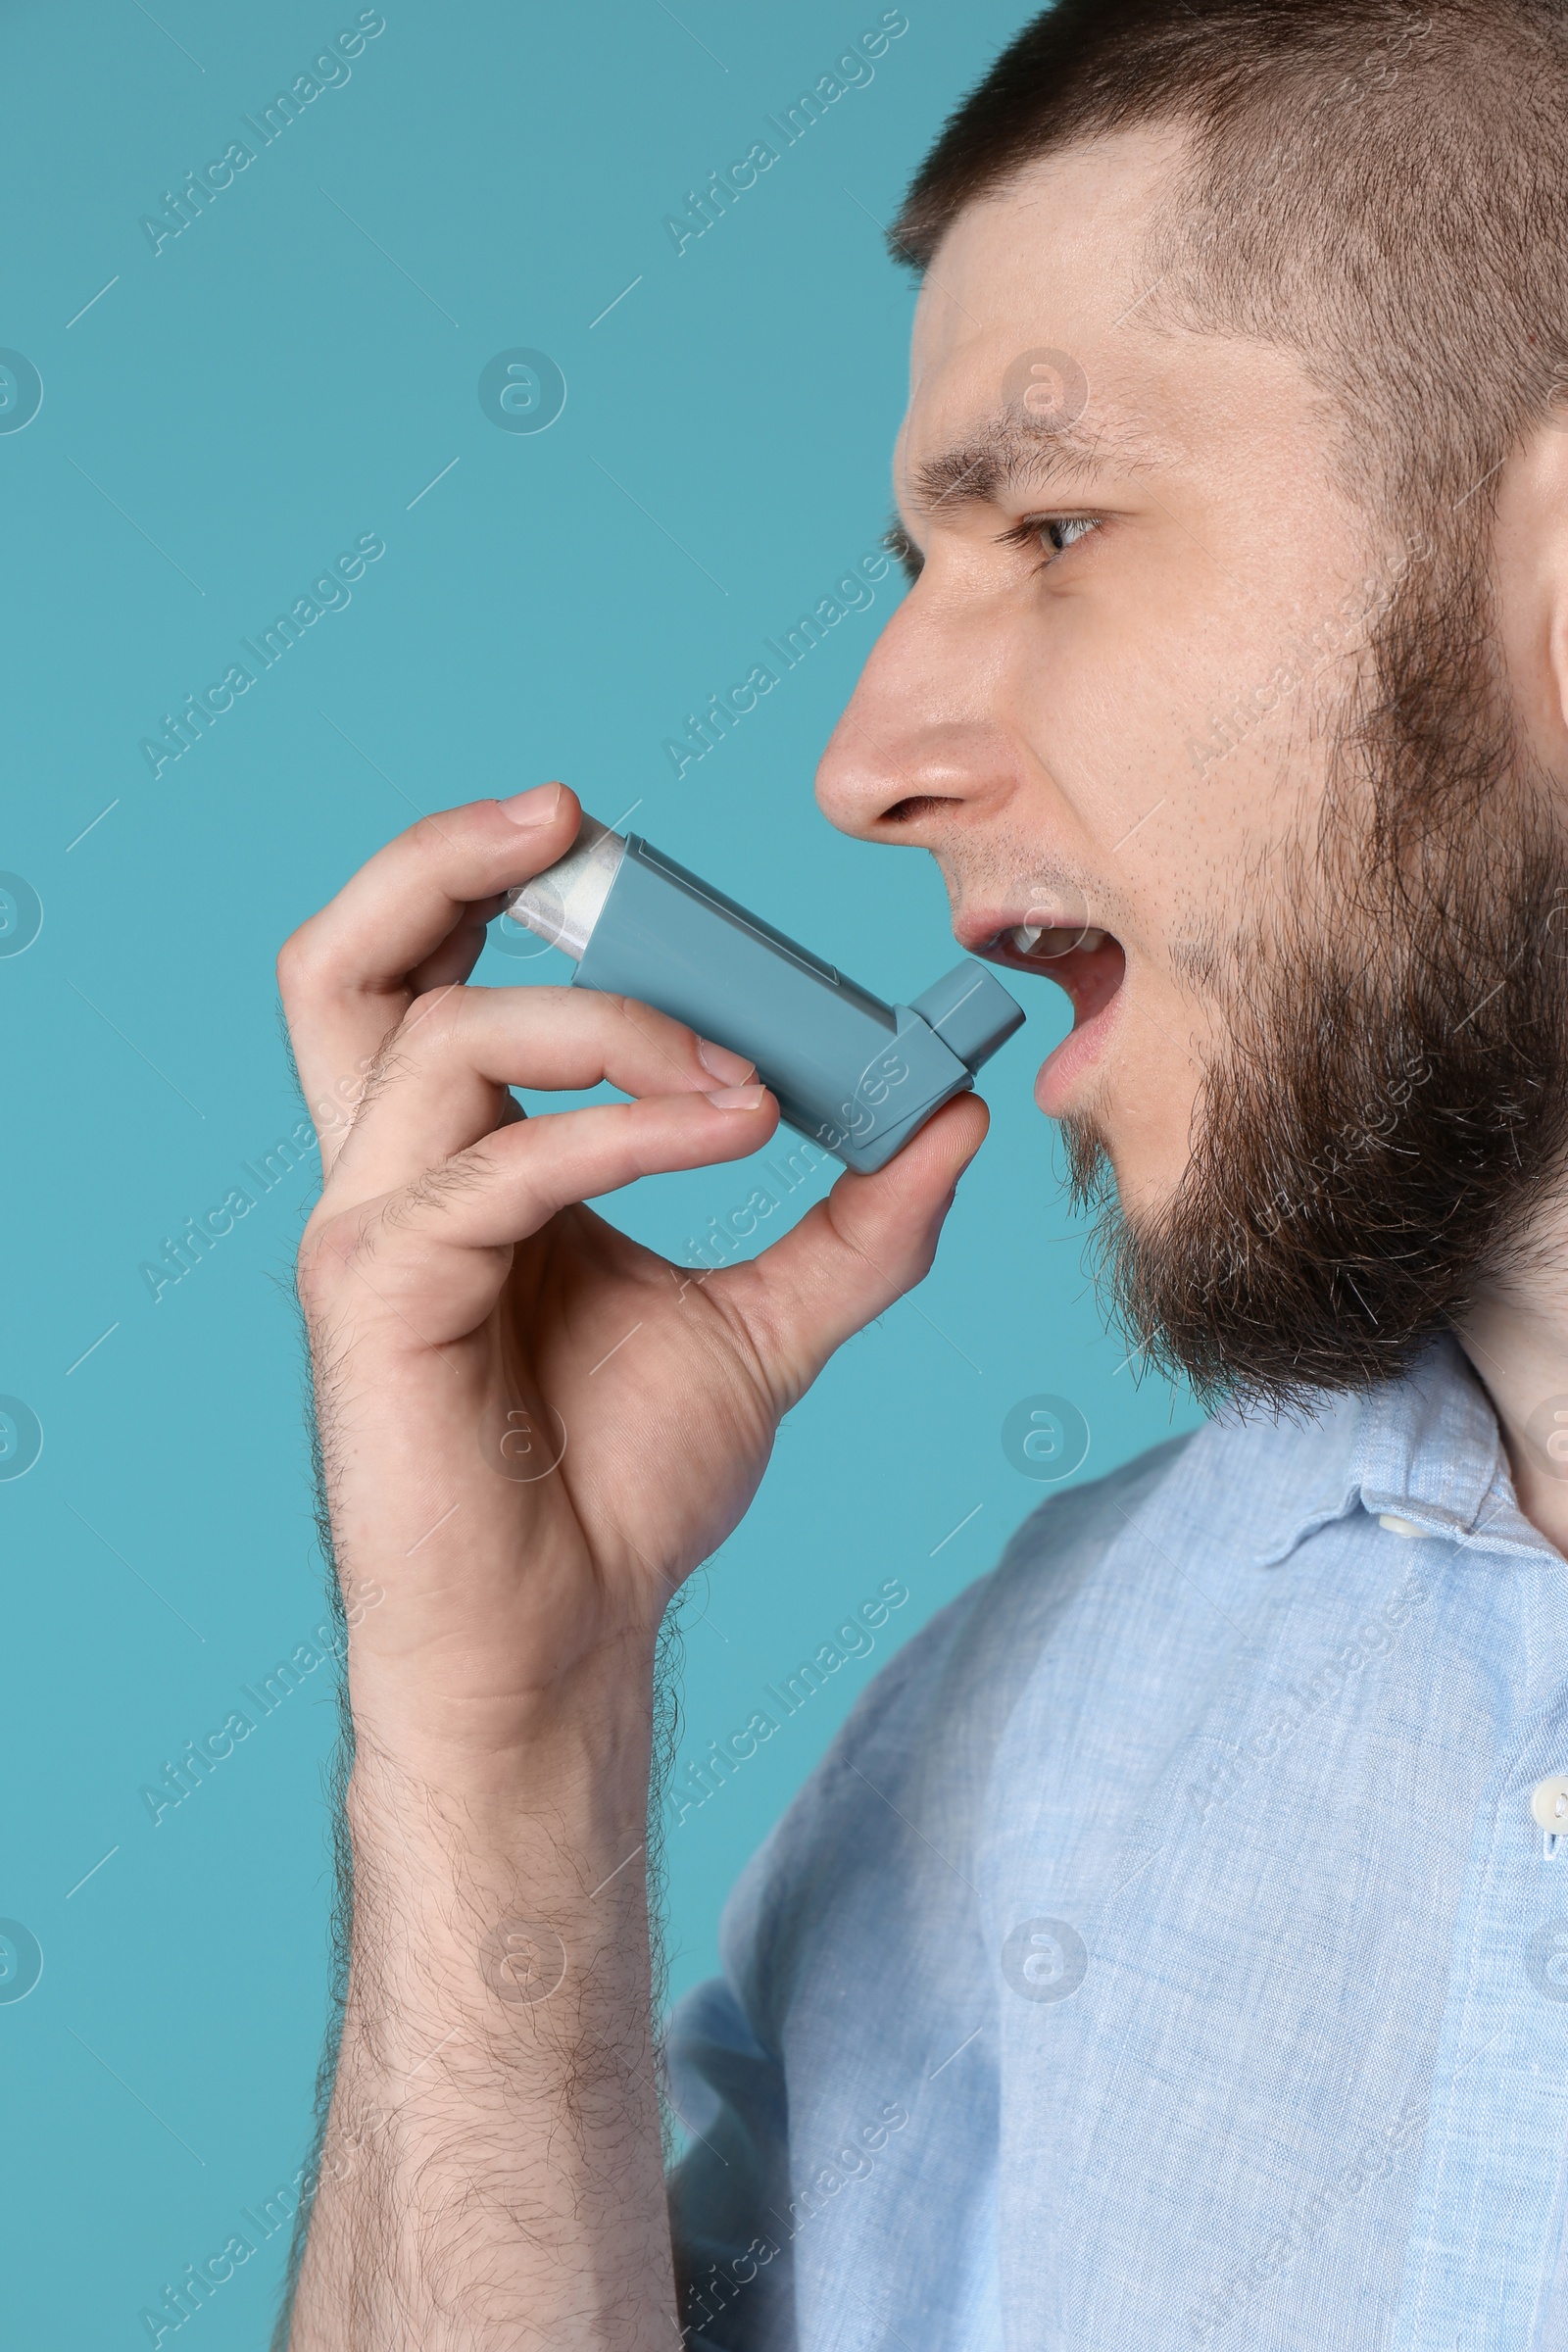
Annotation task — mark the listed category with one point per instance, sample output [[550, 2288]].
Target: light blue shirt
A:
[[1165, 1954]]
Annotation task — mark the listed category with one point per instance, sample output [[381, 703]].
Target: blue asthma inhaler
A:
[[857, 1076]]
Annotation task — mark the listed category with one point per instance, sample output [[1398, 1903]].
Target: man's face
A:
[[1191, 732], [1048, 710]]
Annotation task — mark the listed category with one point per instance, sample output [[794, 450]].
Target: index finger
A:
[[346, 976]]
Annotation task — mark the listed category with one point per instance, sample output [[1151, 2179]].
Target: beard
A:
[[1389, 1111]]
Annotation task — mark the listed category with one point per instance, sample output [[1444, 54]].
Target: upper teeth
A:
[[1040, 940]]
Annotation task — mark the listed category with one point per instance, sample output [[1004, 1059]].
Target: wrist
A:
[[504, 1749]]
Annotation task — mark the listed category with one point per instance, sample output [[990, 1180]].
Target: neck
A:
[[1516, 1336]]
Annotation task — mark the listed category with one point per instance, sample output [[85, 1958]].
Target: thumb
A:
[[871, 1240]]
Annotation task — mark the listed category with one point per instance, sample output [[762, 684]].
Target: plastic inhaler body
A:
[[858, 1077]]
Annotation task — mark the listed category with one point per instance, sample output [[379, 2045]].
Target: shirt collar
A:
[[1425, 1448]]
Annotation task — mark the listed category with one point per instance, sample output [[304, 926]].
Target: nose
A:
[[921, 743]]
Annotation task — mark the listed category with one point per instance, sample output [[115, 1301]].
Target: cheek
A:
[[1148, 1099], [1212, 869]]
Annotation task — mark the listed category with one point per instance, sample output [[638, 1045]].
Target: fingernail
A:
[[738, 1097], [733, 1069], [535, 808]]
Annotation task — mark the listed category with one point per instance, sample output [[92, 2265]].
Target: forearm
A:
[[491, 2174]]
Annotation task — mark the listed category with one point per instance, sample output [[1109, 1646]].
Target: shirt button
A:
[[1397, 1525], [1549, 1803]]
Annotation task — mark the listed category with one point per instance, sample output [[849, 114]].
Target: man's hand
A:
[[532, 1430]]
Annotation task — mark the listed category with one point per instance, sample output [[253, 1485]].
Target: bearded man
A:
[[1173, 1948]]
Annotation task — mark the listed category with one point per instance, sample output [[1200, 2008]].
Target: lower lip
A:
[[1093, 980], [1065, 1070]]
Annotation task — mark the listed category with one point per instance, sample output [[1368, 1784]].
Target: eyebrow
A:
[[1013, 453]]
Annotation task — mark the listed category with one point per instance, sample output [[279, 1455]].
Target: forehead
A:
[[1037, 335], [1071, 228]]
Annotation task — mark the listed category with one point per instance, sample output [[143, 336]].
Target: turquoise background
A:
[[217, 426]]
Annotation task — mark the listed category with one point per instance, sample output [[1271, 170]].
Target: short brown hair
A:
[[1379, 186]]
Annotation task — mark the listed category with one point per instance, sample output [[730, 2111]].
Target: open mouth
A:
[[1090, 965]]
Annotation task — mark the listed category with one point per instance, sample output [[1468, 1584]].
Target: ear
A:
[[1530, 577]]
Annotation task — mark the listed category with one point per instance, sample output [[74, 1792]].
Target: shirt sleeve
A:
[[857, 1957], [728, 2041], [732, 2262]]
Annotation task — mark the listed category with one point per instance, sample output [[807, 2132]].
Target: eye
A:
[[1049, 535], [1058, 532], [901, 547]]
